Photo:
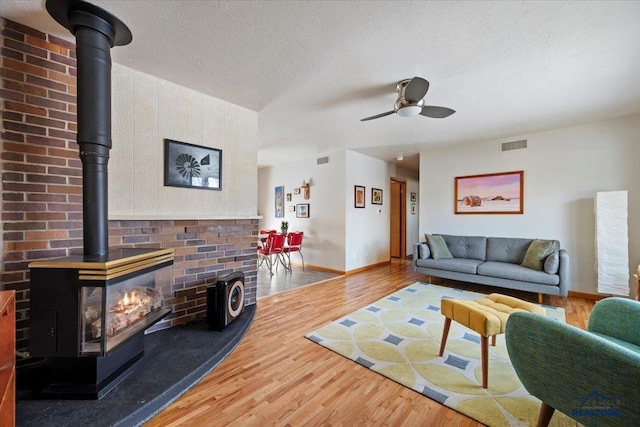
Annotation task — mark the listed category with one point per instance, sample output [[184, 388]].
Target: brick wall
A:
[[204, 251], [42, 186]]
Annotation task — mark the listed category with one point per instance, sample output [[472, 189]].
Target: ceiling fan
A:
[[410, 101]]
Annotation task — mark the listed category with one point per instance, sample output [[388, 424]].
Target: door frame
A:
[[402, 215]]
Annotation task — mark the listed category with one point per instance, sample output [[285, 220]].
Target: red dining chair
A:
[[272, 251], [262, 236], [294, 244]]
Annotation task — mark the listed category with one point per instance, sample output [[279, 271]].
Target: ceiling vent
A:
[[322, 160], [513, 145]]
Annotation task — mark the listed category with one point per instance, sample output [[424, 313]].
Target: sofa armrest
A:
[[416, 252], [563, 272], [617, 317], [563, 365]]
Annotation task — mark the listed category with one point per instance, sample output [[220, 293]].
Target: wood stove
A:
[[89, 315], [89, 312]]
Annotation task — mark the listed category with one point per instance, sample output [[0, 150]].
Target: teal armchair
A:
[[592, 376]]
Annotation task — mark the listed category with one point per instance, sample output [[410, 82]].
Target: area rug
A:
[[399, 337]]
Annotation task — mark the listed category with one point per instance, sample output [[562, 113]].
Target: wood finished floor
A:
[[277, 377]]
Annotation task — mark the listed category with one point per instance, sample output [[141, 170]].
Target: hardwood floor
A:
[[278, 377]]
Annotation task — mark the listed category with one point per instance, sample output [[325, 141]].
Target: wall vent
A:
[[513, 145], [322, 160]]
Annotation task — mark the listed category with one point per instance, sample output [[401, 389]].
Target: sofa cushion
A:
[[510, 271], [473, 247], [459, 265], [438, 247], [552, 263], [507, 249], [537, 252], [423, 251]]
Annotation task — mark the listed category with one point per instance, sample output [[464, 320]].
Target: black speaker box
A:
[[225, 300]]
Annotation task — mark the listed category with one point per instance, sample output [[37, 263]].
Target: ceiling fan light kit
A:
[[410, 102], [409, 111]]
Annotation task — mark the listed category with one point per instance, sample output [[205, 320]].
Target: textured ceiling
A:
[[313, 69]]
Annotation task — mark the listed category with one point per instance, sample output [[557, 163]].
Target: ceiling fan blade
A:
[[436, 112], [377, 116], [416, 89]]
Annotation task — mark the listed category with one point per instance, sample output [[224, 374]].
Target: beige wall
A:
[[146, 110]]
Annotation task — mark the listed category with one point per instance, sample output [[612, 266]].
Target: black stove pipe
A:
[[96, 32]]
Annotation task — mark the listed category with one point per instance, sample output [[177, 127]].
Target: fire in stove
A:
[[130, 307]]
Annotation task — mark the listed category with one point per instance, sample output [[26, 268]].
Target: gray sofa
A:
[[493, 261]]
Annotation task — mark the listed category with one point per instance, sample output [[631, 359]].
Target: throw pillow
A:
[[423, 251], [438, 247], [552, 263], [536, 254]]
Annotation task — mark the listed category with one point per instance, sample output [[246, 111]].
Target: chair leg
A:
[[445, 334], [545, 414], [283, 260], [484, 356], [493, 340], [269, 261], [301, 256]]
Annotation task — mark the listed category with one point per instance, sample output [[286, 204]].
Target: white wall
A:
[[563, 170], [324, 230], [146, 110], [367, 232], [338, 236]]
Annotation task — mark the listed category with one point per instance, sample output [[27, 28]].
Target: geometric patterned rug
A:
[[399, 337]]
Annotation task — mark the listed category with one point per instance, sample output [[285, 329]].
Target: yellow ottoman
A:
[[487, 316]]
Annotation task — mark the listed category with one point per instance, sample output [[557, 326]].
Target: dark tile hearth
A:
[[175, 359]]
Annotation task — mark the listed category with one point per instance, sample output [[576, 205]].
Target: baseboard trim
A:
[[366, 267], [318, 268], [585, 295]]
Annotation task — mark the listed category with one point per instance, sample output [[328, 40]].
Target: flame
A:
[[125, 300]]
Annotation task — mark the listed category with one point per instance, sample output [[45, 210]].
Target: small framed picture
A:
[[413, 208], [288, 197], [302, 210], [358, 196], [279, 201], [296, 191], [413, 197], [376, 196]]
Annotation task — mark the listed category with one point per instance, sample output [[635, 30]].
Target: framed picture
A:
[[296, 191], [358, 196], [279, 202], [413, 197], [493, 193], [376, 196], [413, 208], [302, 210], [288, 197], [192, 166]]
